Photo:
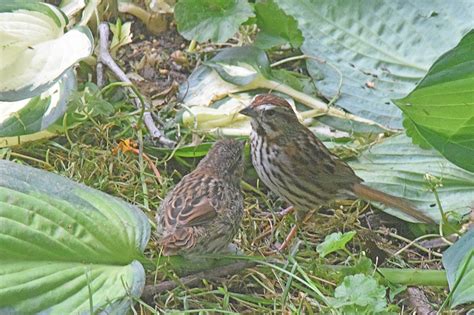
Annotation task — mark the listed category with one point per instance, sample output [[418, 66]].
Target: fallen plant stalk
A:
[[412, 276]]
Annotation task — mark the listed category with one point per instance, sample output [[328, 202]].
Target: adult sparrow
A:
[[296, 165], [202, 214]]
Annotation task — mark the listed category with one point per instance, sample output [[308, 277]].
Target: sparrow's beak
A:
[[248, 111]]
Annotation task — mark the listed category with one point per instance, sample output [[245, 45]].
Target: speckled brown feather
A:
[[295, 164], [203, 212]]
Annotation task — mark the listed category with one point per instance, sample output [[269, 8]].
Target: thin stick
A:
[[106, 59], [408, 241], [416, 240]]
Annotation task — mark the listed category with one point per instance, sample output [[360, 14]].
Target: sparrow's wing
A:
[[311, 160], [189, 211], [191, 202]]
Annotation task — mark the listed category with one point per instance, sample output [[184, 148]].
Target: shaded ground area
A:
[[155, 63]]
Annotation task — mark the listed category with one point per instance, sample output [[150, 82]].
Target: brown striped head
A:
[[225, 159], [269, 99], [270, 114]]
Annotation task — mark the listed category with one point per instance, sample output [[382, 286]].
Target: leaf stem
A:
[[294, 58], [410, 276], [318, 104], [416, 277], [88, 12]]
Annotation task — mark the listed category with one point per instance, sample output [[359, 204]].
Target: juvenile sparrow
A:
[[202, 214], [296, 165]]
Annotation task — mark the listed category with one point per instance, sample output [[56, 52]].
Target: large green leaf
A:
[[381, 48], [440, 110], [217, 20], [38, 113], [398, 167], [34, 51], [230, 71], [203, 86], [276, 28], [458, 260], [64, 247]]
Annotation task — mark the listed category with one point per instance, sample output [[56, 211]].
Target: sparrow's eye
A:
[[270, 112]]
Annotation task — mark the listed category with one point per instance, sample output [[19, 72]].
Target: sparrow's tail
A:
[[371, 194]]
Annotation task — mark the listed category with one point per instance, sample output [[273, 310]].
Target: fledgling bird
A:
[[295, 164], [202, 214]]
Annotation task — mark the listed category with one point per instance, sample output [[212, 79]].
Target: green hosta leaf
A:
[[35, 52], [241, 65], [334, 242], [38, 113], [222, 114], [217, 20], [440, 110], [230, 71], [413, 133], [295, 80], [276, 28], [389, 45], [359, 294], [64, 246], [458, 260], [204, 86], [399, 168], [234, 70]]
